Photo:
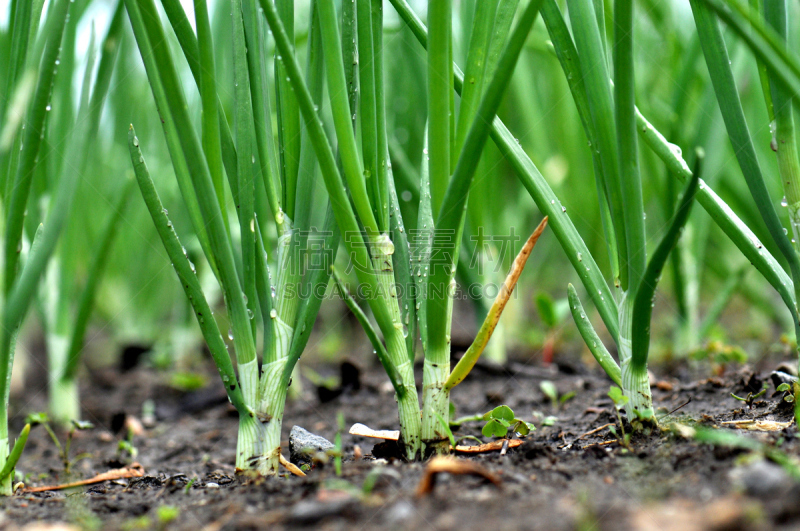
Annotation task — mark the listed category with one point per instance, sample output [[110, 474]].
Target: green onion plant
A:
[[64, 335], [385, 261], [584, 264], [270, 179], [35, 58]]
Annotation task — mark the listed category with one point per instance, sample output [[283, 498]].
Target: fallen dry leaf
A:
[[758, 425], [134, 471], [663, 385], [291, 467], [451, 465], [365, 431], [487, 447], [731, 512]]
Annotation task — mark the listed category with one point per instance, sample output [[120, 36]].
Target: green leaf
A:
[[94, 276], [377, 344], [567, 396], [547, 202], [309, 306], [719, 68], [502, 413], [783, 387], [615, 394], [446, 428], [16, 452], [549, 420], [37, 418], [188, 278], [594, 70], [549, 390], [591, 338], [18, 189], [645, 292], [450, 220], [187, 382], [82, 424], [546, 308], [494, 428], [153, 42]]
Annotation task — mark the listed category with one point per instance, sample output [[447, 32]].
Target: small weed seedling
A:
[[719, 355], [126, 447], [791, 392], [619, 399], [552, 313], [751, 397], [63, 450], [337, 445], [166, 514], [501, 422], [550, 391]]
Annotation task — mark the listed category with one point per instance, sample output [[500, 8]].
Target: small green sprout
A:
[[166, 514], [552, 313], [125, 446], [790, 396], [751, 397], [719, 355], [189, 485], [790, 393], [501, 421], [337, 445], [140, 522], [550, 391], [619, 399], [186, 382], [63, 450]]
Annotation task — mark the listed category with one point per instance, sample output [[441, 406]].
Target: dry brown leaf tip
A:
[[135, 470], [452, 465], [487, 447]]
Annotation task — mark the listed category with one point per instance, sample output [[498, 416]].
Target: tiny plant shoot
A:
[[501, 422]]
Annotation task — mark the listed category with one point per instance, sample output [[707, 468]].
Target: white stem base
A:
[[435, 400], [408, 412], [636, 386], [64, 401], [6, 485], [250, 443], [270, 412]]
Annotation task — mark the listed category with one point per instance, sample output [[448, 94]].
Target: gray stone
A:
[[780, 377], [307, 512], [303, 445], [400, 512], [762, 479]]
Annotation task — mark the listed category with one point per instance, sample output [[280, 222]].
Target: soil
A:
[[570, 475]]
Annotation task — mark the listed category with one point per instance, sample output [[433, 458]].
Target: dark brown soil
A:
[[558, 479]]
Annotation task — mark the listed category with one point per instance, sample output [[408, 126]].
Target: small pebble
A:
[[400, 511], [212, 485]]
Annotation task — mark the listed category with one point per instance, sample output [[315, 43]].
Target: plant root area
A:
[[571, 474]]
